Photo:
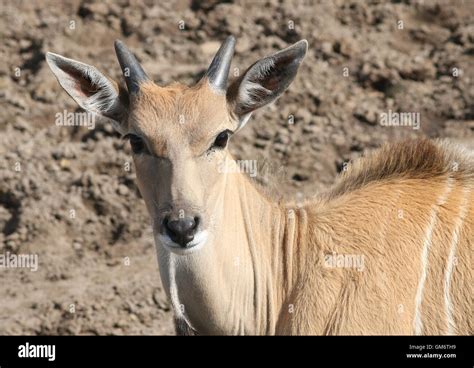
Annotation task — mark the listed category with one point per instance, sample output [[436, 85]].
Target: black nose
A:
[[181, 230]]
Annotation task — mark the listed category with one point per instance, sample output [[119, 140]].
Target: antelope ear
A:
[[265, 81], [92, 90]]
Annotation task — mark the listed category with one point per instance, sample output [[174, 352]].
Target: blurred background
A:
[[66, 194]]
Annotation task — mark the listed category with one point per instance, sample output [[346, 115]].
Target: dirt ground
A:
[[66, 194]]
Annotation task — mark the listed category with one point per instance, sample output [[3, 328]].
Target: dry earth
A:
[[66, 194]]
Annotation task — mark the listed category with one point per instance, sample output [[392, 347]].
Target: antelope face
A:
[[179, 139], [179, 134]]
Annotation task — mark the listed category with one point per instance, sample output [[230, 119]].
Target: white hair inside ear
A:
[[91, 89], [264, 81]]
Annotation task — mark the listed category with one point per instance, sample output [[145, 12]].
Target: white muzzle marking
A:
[[199, 239]]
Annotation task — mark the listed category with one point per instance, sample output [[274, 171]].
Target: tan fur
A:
[[363, 218]]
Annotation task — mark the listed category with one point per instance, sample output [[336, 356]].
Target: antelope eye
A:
[[221, 139], [137, 143]]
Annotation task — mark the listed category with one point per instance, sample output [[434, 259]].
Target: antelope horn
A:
[[131, 68], [218, 71]]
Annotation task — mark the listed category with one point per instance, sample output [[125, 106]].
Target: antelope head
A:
[[179, 134]]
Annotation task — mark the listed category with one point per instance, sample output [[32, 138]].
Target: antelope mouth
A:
[[198, 241]]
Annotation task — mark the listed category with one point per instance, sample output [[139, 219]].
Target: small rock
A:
[[12, 246], [326, 48], [99, 8], [160, 300], [264, 134], [65, 164], [304, 115], [122, 190], [283, 139], [338, 140], [279, 147], [366, 113], [260, 144], [312, 129]]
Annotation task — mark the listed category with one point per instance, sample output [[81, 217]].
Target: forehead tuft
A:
[[178, 103]]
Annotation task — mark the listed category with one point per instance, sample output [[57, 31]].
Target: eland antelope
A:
[[386, 250]]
